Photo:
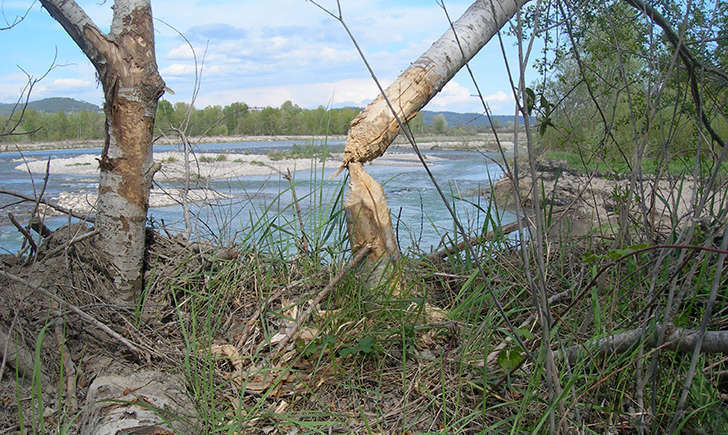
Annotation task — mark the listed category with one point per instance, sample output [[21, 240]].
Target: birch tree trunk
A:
[[373, 130], [127, 68]]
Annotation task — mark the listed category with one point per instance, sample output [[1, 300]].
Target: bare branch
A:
[[85, 316], [49, 204], [18, 18], [80, 28]]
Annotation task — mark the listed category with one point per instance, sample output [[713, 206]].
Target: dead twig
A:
[[43, 188], [446, 252], [322, 294], [24, 232], [85, 316], [71, 242], [618, 260], [251, 321], [7, 343]]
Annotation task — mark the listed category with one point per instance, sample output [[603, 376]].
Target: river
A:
[[263, 202]]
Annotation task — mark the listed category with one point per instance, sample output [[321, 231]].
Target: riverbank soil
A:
[[581, 203]]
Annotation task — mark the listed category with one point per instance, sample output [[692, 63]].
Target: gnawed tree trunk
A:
[[373, 130], [368, 221], [127, 68]]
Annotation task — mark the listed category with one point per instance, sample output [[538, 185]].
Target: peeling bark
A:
[[143, 402], [126, 65], [373, 130]]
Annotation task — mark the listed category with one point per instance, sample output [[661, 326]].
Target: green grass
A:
[[210, 159], [307, 151]]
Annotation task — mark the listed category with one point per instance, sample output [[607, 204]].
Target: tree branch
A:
[[80, 27], [680, 339], [49, 204], [688, 59]]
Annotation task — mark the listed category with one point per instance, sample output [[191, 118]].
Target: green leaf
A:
[[530, 100], [590, 257], [524, 333], [617, 253], [366, 345], [347, 351], [510, 358]]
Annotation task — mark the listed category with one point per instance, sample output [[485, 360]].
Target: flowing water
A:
[[263, 203]]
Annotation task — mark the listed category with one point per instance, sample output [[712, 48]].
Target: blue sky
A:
[[261, 52]]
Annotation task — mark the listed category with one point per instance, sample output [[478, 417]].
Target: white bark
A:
[[143, 402], [374, 129], [680, 339], [127, 68]]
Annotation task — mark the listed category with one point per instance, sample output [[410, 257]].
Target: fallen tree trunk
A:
[[373, 130], [680, 339]]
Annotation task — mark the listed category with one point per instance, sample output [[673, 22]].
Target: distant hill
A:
[[53, 105], [468, 120]]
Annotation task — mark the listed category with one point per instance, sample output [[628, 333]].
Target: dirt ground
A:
[[595, 202]]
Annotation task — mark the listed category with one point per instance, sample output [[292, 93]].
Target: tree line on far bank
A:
[[232, 120]]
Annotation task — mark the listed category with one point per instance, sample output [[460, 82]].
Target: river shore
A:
[[481, 141]]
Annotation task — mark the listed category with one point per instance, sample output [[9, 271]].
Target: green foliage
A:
[[308, 151], [241, 119], [650, 165], [52, 105], [211, 159], [38, 126], [628, 97], [237, 119], [439, 124]]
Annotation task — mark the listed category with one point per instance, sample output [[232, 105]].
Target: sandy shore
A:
[[477, 142], [84, 201], [208, 166]]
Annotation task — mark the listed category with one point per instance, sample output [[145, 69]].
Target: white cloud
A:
[[343, 92], [267, 52], [70, 84], [456, 97], [452, 93], [178, 69], [499, 97], [181, 52]]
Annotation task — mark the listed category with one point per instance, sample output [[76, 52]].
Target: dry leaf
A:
[[229, 352]]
